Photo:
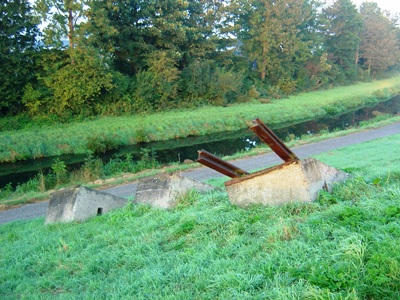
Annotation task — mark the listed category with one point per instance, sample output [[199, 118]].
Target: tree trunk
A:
[[264, 63], [71, 33], [357, 55], [263, 71]]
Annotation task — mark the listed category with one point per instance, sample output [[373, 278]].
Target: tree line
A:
[[105, 57]]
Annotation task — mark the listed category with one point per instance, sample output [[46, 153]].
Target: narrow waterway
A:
[[225, 143]]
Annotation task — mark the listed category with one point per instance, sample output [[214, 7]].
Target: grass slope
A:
[[112, 132], [344, 246]]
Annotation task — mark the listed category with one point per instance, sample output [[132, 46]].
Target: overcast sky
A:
[[392, 5]]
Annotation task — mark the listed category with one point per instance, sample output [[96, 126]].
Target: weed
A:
[[188, 199], [148, 160], [41, 181], [60, 170], [6, 191], [101, 144], [92, 169], [326, 199]]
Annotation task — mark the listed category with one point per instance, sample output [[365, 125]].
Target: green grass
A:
[[346, 245], [95, 174], [111, 132]]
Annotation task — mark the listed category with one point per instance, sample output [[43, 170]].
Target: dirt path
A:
[[31, 211]]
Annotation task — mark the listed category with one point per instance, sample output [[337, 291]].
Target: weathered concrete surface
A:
[[80, 203], [298, 181], [164, 190]]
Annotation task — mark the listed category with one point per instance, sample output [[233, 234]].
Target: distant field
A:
[[113, 132], [346, 245]]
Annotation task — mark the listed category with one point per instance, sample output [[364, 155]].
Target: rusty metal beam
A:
[[219, 165], [268, 137]]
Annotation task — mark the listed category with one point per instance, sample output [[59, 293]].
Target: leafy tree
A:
[[276, 37], [77, 85], [343, 36], [62, 18], [157, 40], [18, 32], [379, 47], [196, 80], [65, 89], [130, 30], [208, 34], [157, 87]]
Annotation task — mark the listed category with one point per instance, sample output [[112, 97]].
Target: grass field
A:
[[113, 132], [346, 245]]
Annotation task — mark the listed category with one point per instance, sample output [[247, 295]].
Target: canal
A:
[[221, 144]]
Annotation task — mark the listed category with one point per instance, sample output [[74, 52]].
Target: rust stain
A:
[[268, 137], [230, 170], [219, 165]]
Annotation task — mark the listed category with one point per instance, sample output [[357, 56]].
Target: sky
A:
[[391, 5]]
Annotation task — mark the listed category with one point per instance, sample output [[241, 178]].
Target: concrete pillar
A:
[[298, 181], [164, 190], [80, 203]]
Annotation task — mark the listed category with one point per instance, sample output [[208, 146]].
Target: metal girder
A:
[[268, 137], [219, 165]]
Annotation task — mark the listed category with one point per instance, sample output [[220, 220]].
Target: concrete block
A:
[[80, 203], [163, 191], [298, 181]]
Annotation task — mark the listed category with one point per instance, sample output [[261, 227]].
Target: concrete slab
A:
[[80, 203], [298, 181], [164, 190]]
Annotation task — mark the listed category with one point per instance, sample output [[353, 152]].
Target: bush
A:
[[101, 144], [157, 87], [92, 169]]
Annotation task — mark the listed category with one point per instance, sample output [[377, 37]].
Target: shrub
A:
[[60, 170], [101, 144]]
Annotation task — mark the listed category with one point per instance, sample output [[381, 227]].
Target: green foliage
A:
[[157, 86], [204, 82], [18, 31], [61, 20], [88, 80], [120, 165], [92, 169], [130, 57], [196, 79], [274, 34], [380, 45], [101, 144], [225, 86], [148, 159], [343, 37], [60, 170]]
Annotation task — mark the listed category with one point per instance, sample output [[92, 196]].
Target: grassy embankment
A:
[[95, 174], [113, 132], [343, 246]]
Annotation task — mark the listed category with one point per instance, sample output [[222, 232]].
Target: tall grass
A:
[[111, 132], [346, 245], [92, 170]]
